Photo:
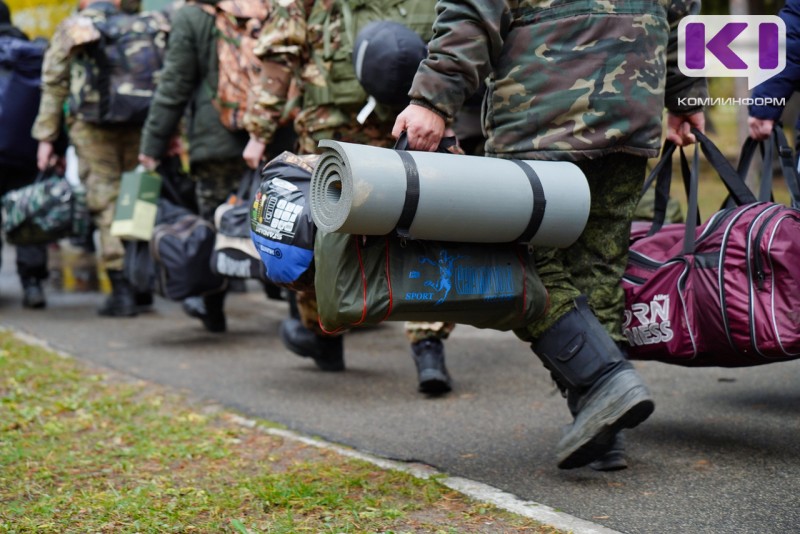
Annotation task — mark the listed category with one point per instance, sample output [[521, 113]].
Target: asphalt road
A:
[[721, 453]]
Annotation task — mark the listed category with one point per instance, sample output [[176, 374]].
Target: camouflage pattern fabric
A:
[[56, 76], [215, 181], [568, 79], [298, 39], [113, 78], [44, 212], [72, 35], [308, 39], [594, 265], [106, 153], [238, 24]]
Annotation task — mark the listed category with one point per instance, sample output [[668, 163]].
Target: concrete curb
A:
[[475, 490]]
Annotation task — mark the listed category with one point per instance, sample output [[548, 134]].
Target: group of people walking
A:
[[580, 81]]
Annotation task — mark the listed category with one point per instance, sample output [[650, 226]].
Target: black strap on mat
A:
[[539, 201], [411, 201], [412, 194]]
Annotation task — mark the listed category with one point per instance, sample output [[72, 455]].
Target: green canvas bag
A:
[[366, 280]]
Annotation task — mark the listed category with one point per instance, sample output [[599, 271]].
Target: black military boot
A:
[[122, 300], [614, 459], [603, 389], [214, 318], [326, 351], [431, 370], [33, 294]]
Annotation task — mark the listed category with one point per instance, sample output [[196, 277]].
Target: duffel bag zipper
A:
[[758, 261]]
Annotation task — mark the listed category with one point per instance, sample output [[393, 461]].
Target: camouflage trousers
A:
[[307, 300], [104, 154], [215, 181], [593, 266]]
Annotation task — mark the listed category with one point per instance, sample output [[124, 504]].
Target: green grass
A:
[[88, 451]]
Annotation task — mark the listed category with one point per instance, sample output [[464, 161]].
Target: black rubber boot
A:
[[431, 370], [214, 318], [122, 300], [33, 294], [326, 351], [604, 391], [614, 459], [144, 300]]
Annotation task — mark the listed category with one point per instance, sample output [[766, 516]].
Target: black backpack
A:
[[119, 69]]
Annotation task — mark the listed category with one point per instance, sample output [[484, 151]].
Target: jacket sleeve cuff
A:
[[427, 105]]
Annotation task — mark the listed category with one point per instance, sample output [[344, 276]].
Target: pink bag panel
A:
[[773, 319], [658, 314]]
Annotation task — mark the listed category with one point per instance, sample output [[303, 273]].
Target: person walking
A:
[[762, 117], [316, 40], [106, 102], [569, 81], [187, 85], [21, 57]]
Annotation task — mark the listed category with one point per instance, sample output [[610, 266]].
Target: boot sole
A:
[[433, 382], [597, 435]]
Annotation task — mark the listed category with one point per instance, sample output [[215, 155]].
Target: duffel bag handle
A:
[[735, 185], [776, 144], [662, 175]]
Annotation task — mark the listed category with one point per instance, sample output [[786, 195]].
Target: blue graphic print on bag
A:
[[282, 230], [494, 282]]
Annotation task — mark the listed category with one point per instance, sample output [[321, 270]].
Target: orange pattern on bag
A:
[[238, 24]]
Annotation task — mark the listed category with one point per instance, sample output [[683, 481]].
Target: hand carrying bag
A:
[[137, 203], [45, 211], [722, 293]]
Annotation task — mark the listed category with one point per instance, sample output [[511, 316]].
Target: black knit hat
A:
[[5, 14], [386, 56]]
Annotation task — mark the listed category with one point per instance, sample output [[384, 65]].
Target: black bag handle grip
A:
[[444, 144]]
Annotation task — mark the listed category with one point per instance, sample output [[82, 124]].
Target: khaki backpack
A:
[[334, 26], [237, 25]]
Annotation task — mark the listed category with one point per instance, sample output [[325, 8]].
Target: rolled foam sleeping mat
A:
[[366, 190]]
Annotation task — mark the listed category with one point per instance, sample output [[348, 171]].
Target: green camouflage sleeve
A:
[[281, 48], [467, 40], [55, 88], [680, 86]]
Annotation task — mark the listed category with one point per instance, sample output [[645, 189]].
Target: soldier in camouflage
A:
[[107, 150], [582, 81], [308, 47]]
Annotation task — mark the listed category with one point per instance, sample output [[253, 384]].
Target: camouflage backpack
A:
[[237, 24], [113, 73], [333, 26]]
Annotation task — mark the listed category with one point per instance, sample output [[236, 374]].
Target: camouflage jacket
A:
[[299, 53], [60, 78], [185, 90], [567, 79]]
